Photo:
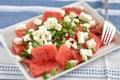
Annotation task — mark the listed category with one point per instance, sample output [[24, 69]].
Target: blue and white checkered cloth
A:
[[14, 11]]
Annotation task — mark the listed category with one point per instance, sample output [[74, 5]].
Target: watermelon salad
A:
[[58, 40]]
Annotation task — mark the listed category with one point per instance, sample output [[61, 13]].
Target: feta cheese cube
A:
[[50, 23], [67, 19], [26, 38], [86, 25], [74, 45], [73, 14], [73, 62], [81, 38], [21, 27], [62, 12], [37, 21], [42, 30], [18, 40], [91, 44], [31, 30], [18, 58], [76, 20], [86, 52], [58, 27], [84, 58], [73, 24], [48, 35], [40, 41], [30, 45], [36, 33], [29, 50], [86, 35], [68, 43], [92, 22], [48, 43], [85, 17]]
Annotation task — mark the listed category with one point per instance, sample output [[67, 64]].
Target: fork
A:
[[108, 29]]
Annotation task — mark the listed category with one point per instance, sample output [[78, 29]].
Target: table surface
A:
[[14, 11]]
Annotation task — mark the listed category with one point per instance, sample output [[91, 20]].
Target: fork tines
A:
[[108, 32]]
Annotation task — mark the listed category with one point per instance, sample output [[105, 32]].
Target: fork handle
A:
[[106, 9]]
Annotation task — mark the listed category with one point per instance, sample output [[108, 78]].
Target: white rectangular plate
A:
[[8, 34]]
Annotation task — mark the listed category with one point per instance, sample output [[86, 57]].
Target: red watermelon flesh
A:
[[64, 54], [44, 53], [72, 9], [37, 70], [47, 14], [20, 33], [18, 48], [76, 55]]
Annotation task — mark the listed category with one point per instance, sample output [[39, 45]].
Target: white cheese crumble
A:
[[92, 22], [67, 19], [62, 12], [73, 62], [18, 58], [26, 38], [86, 53], [48, 35], [37, 21], [48, 43], [30, 47], [42, 30], [31, 30], [73, 14], [50, 23], [81, 38], [76, 20], [91, 44], [69, 43], [85, 17], [86, 25], [58, 27], [86, 35], [73, 24], [36, 38], [18, 40], [74, 45], [21, 27]]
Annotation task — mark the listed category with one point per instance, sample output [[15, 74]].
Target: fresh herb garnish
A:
[[35, 44], [44, 76], [85, 29], [82, 22], [53, 72], [68, 65], [24, 54]]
